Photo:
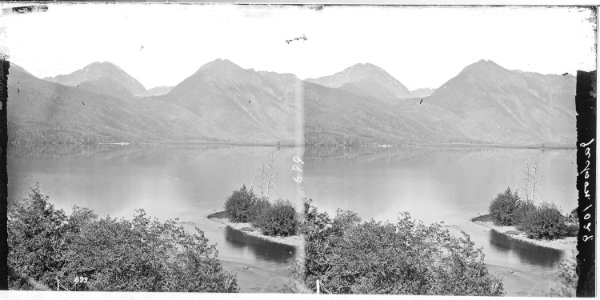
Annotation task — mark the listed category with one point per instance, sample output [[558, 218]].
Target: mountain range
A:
[[222, 102]]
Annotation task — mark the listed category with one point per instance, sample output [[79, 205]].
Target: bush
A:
[[572, 230], [503, 207], [545, 222], [36, 235], [238, 205], [523, 212], [272, 219], [567, 278], [114, 254], [279, 219], [258, 211], [350, 256]]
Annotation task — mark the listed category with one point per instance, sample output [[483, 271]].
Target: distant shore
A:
[[564, 244], [409, 145], [247, 228], [497, 146], [290, 144]]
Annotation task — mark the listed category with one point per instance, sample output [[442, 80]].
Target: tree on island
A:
[[275, 219], [542, 221]]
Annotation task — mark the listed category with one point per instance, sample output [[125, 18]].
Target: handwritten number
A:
[[582, 145], [586, 184], [298, 160]]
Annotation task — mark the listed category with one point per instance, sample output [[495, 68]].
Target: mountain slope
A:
[[247, 105], [335, 116], [45, 112], [511, 106], [484, 103], [105, 78], [366, 80]]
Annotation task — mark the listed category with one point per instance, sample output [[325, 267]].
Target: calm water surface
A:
[[190, 182]]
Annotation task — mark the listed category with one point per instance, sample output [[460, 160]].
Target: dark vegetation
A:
[[279, 219], [25, 136], [503, 208], [538, 222], [275, 219], [567, 278], [348, 255], [49, 249], [238, 205]]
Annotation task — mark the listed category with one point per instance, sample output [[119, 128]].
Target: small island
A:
[[249, 229], [565, 244], [542, 225], [258, 217]]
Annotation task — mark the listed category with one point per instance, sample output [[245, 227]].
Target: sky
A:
[[162, 44]]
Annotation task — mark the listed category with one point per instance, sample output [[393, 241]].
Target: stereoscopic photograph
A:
[[315, 149]]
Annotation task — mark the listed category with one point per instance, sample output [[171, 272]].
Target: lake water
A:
[[189, 182]]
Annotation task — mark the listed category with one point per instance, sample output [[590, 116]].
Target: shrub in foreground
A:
[[36, 246], [545, 222], [142, 254], [238, 205], [407, 257], [567, 278], [503, 207]]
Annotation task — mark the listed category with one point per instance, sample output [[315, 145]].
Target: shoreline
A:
[[565, 244], [247, 228], [289, 144]]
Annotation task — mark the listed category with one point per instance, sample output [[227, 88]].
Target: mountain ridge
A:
[[366, 79], [262, 104], [102, 76], [511, 104], [41, 111], [483, 103]]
